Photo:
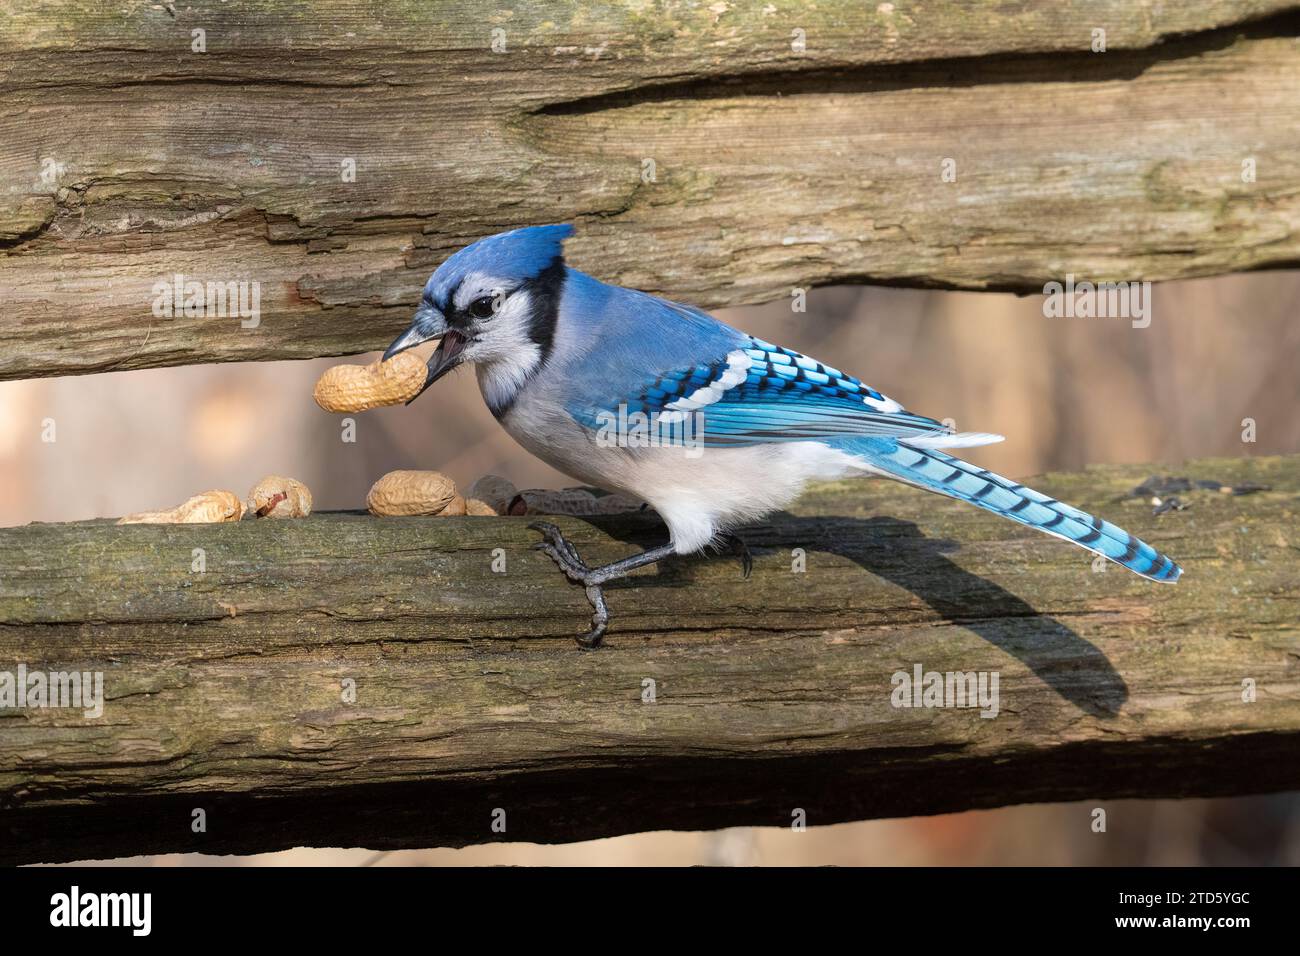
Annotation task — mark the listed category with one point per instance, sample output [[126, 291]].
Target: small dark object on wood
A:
[[1156, 486], [1248, 488]]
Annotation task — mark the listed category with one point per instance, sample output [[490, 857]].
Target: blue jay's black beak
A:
[[429, 324]]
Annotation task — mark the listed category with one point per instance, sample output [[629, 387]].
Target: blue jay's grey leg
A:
[[618, 569], [592, 579]]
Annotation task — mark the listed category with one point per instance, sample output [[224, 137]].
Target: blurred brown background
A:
[[1065, 391]]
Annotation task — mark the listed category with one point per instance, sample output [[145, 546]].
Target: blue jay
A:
[[726, 428]]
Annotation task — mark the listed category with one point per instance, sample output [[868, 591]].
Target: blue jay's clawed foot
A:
[[592, 579], [561, 552], [599, 619], [740, 550]]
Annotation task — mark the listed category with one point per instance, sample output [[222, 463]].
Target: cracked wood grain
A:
[[128, 159], [224, 688]]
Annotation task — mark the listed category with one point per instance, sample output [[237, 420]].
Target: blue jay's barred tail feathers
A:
[[955, 478]]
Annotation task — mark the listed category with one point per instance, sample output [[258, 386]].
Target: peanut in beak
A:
[[358, 388]]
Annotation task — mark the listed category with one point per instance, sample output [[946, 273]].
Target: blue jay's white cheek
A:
[[504, 350]]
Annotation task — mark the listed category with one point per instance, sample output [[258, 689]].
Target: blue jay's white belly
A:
[[726, 488], [698, 497]]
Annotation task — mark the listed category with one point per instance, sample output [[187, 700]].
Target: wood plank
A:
[[224, 689], [774, 169]]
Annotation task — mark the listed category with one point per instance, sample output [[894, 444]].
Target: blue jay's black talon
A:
[[550, 534], [741, 550]]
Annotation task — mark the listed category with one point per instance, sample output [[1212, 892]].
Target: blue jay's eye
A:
[[483, 307]]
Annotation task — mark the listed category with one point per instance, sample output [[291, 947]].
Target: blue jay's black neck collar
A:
[[545, 291]]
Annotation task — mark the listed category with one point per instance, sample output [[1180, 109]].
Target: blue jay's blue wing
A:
[[763, 393], [749, 392]]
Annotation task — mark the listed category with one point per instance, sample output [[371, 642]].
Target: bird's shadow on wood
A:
[[899, 552]]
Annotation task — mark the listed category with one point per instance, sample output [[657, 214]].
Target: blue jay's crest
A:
[[519, 255]]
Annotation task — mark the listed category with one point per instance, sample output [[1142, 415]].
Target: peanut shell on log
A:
[[411, 493], [454, 508], [276, 496], [206, 508], [495, 491]]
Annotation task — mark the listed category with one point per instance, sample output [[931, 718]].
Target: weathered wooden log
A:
[[333, 153], [229, 653]]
